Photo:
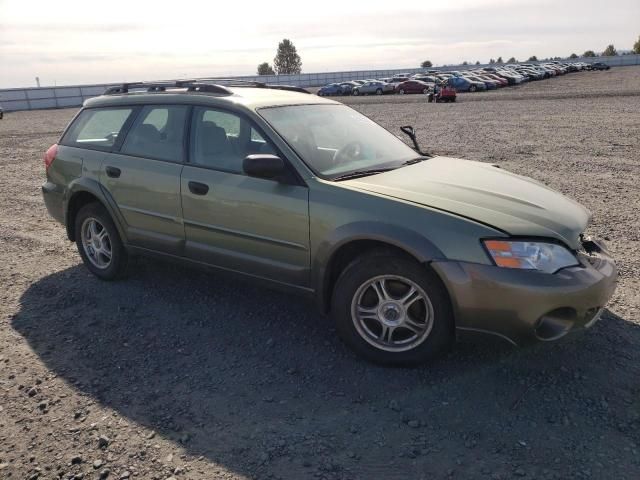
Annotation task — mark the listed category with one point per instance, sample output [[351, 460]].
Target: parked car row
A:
[[479, 79]]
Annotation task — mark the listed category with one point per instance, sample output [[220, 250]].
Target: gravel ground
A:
[[177, 373]]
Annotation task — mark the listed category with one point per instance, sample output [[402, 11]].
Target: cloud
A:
[[228, 39]]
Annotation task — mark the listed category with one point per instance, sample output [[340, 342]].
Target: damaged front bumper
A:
[[524, 306]]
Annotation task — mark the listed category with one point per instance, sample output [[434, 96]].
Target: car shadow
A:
[[256, 381]]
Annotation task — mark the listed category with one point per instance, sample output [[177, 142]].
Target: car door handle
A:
[[198, 188], [113, 172]]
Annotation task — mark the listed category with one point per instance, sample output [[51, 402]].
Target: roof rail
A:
[[234, 82], [210, 85], [190, 85]]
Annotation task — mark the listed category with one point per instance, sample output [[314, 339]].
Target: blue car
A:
[[331, 89], [462, 84]]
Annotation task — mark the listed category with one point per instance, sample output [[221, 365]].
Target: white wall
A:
[[73, 96]]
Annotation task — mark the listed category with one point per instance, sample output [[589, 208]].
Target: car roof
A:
[[250, 98]]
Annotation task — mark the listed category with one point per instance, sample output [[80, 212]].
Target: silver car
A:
[[374, 87]]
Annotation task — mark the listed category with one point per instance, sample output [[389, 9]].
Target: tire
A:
[[473, 88], [356, 92], [425, 91], [401, 91], [320, 94], [399, 275], [379, 91], [117, 264]]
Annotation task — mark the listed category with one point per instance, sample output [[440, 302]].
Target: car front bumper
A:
[[526, 306]]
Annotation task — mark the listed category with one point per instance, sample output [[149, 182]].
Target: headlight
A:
[[545, 257]]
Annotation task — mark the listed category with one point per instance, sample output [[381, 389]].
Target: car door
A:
[[143, 178], [250, 225]]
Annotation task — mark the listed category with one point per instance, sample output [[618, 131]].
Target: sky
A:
[[67, 42]]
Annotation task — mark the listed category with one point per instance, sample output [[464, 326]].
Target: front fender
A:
[[413, 243], [85, 185]]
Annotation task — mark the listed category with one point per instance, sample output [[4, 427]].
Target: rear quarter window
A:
[[97, 128]]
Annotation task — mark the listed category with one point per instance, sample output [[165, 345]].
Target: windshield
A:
[[335, 140]]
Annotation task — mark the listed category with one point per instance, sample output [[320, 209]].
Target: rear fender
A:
[[93, 187]]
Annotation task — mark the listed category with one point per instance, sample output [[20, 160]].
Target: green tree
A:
[[491, 61], [265, 69], [512, 60], [477, 62], [573, 55], [465, 63], [426, 64], [499, 60], [589, 53], [610, 51], [532, 58], [636, 46], [287, 60]]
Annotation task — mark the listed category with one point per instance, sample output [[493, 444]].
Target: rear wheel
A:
[[401, 91], [379, 91], [320, 94], [99, 243], [425, 91], [391, 310], [473, 88], [356, 92]]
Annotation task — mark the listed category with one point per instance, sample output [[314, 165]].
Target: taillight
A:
[[50, 155]]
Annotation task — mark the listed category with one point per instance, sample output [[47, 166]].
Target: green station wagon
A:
[[404, 250]]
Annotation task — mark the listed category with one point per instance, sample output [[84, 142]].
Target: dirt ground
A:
[[183, 374]]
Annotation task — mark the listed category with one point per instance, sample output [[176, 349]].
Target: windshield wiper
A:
[[362, 173], [415, 160]]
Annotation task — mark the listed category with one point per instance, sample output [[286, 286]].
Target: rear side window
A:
[[97, 128], [158, 133]]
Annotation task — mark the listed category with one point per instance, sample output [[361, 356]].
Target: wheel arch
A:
[[351, 241], [85, 191]]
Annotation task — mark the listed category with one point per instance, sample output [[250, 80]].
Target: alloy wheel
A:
[[96, 243], [392, 313]]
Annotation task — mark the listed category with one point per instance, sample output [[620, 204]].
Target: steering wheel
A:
[[350, 151]]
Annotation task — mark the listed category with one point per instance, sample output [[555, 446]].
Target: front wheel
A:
[[401, 92], [356, 92], [425, 91], [99, 243], [379, 91], [473, 88], [392, 310]]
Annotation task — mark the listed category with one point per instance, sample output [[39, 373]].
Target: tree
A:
[[265, 69], [532, 58], [491, 61], [610, 51], [589, 53], [636, 46], [287, 60], [465, 63], [499, 60], [426, 64], [512, 60], [477, 62], [573, 55]]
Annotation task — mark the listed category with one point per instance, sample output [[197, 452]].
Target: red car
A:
[[444, 93], [503, 81], [413, 86]]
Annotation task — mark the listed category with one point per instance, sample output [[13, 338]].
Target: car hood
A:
[[482, 192]]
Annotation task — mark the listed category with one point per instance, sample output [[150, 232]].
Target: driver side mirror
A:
[[266, 166]]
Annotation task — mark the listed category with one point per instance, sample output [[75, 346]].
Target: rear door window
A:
[[97, 128], [158, 133]]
